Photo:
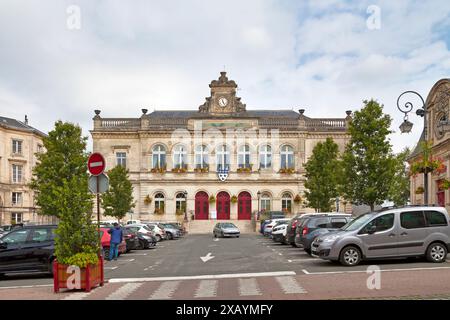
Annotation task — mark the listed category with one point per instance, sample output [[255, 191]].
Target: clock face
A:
[[223, 101]]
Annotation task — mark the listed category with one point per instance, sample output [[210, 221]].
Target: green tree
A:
[[60, 180], [399, 192], [118, 200], [322, 176], [368, 163]]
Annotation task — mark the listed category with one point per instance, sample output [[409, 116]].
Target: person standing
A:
[[116, 239]]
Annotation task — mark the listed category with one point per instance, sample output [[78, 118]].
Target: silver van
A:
[[394, 233]]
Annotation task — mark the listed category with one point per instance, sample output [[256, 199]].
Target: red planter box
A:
[[90, 277]]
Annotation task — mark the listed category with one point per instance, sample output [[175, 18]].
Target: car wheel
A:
[[49, 267], [169, 236], [222, 235], [158, 238], [237, 236], [350, 256], [215, 235], [436, 252], [106, 254], [294, 244], [308, 251]]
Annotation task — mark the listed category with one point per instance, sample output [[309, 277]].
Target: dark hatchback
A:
[[270, 215], [131, 238], [26, 250]]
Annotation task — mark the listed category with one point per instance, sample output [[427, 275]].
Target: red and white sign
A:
[[96, 164]]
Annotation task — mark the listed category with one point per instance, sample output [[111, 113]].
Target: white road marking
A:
[[123, 292], [206, 289], [78, 296], [207, 257], [289, 285], [249, 287], [382, 270], [110, 268], [128, 260], [165, 290], [136, 254], [216, 239], [205, 277], [301, 260], [280, 254], [31, 286]]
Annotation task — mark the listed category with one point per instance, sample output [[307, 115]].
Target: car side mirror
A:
[[371, 229]]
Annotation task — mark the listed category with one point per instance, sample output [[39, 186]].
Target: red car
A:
[[106, 239]]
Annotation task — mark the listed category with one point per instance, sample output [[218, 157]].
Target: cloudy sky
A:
[[325, 56]]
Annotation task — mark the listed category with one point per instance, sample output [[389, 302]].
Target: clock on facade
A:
[[223, 101]]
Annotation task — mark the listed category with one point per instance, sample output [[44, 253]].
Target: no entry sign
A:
[[96, 164]]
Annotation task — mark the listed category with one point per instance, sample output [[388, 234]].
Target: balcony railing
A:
[[331, 123], [121, 123]]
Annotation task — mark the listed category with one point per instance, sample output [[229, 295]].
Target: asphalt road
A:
[[247, 254]]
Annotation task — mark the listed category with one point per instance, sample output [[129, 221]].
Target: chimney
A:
[[26, 119]]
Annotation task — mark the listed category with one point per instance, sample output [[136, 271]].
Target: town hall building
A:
[[219, 162]]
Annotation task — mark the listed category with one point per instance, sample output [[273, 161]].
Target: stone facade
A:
[[18, 144], [265, 152], [438, 133]]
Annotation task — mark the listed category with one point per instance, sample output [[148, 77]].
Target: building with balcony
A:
[[218, 162], [19, 143]]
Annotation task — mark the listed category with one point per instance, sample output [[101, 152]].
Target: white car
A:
[[159, 232], [143, 228], [279, 232], [268, 227]]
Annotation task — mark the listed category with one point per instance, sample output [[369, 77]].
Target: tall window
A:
[[179, 157], [244, 156], [16, 146], [223, 157], [121, 158], [286, 202], [287, 157], [16, 217], [201, 157], [16, 173], [16, 198], [159, 202], [159, 157], [265, 202], [180, 202], [265, 157]]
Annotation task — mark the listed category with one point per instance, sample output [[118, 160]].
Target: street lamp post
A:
[[185, 206], [406, 127]]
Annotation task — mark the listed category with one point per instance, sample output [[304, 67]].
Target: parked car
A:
[[268, 227], [8, 228], [319, 224], [226, 229], [145, 235], [292, 227], [131, 239], [172, 232], [158, 230], [133, 221], [410, 231], [270, 215], [106, 243], [279, 232], [28, 249]]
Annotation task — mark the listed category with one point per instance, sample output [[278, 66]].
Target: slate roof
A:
[[19, 125]]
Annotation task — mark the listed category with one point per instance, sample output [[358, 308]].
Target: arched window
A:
[[159, 203], [201, 157], [286, 202], [244, 156], [266, 202], [223, 157], [179, 157], [287, 157], [180, 202], [159, 156], [265, 157]]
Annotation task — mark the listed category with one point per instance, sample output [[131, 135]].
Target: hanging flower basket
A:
[[420, 190], [298, 199], [427, 163], [148, 200], [212, 199], [234, 199]]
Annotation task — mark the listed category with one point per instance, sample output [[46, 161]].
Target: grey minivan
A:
[[394, 233]]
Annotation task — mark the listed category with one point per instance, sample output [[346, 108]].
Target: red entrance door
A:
[[223, 206], [244, 206], [201, 206]]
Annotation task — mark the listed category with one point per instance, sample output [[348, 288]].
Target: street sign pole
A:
[[98, 213]]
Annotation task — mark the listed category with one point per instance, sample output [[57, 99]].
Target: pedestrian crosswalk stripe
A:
[[289, 285], [78, 296], [165, 290], [249, 287], [206, 289], [124, 291]]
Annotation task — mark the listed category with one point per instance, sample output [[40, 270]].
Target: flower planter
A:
[[90, 277]]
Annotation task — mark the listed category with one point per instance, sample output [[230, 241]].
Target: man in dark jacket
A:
[[116, 238]]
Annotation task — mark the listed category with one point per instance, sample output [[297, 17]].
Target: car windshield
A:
[[228, 225], [358, 222]]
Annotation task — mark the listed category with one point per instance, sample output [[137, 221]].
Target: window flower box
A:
[[244, 169], [287, 170], [90, 276], [201, 170], [160, 170], [420, 190]]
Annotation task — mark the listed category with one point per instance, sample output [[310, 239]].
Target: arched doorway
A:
[[244, 206], [223, 206], [201, 206]]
